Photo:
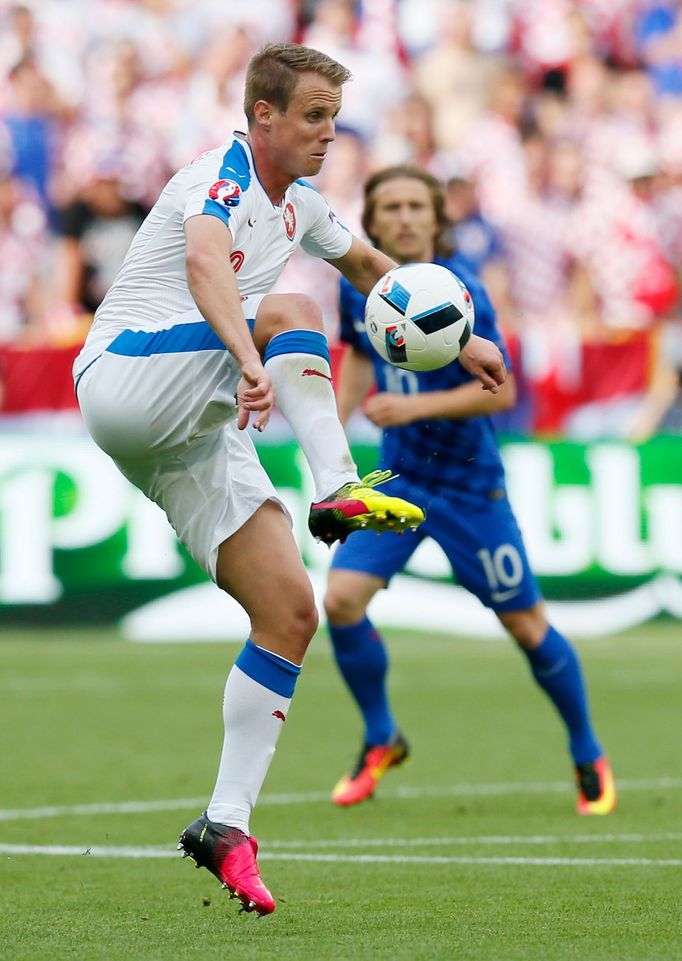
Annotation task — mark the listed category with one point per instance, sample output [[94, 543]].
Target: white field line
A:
[[483, 839], [150, 852], [315, 797]]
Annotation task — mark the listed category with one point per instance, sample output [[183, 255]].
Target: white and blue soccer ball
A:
[[419, 316]]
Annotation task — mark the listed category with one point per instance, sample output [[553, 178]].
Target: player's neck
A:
[[272, 178]]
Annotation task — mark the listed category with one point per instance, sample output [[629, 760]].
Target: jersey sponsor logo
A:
[[289, 217], [226, 192], [311, 372], [236, 259], [280, 715]]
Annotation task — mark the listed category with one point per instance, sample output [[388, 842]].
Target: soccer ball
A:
[[419, 316]]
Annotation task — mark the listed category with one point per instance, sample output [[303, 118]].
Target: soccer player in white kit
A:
[[187, 345]]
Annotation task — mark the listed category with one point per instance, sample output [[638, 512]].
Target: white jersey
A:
[[151, 287]]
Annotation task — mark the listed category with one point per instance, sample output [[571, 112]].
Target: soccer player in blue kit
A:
[[439, 438]]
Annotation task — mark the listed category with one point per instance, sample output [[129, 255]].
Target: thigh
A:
[[208, 489], [485, 548], [137, 406]]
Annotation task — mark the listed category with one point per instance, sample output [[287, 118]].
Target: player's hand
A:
[[254, 393], [389, 410], [484, 360]]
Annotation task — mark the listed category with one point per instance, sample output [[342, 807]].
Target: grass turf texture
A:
[[90, 719]]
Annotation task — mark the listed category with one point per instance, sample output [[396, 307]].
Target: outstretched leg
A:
[[289, 333]]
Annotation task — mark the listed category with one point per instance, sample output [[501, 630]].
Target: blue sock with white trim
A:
[[298, 362], [258, 693], [556, 668], [363, 661]]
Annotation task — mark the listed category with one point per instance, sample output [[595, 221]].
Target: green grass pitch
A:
[[472, 851]]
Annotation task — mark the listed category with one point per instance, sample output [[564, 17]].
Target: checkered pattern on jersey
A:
[[442, 453]]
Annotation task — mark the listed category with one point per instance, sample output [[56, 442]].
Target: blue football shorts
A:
[[480, 538]]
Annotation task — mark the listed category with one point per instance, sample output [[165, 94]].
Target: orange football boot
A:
[[372, 764], [596, 787]]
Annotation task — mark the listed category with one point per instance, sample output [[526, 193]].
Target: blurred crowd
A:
[[555, 125]]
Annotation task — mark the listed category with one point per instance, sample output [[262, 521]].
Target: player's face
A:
[[299, 137], [404, 222]]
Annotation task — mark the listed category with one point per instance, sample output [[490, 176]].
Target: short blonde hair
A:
[[272, 74]]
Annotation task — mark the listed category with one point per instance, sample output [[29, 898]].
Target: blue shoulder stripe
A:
[[215, 209], [234, 166]]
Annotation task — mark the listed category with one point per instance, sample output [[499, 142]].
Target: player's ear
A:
[[262, 112]]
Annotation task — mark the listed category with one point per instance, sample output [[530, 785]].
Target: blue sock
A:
[[556, 668], [363, 661], [268, 669]]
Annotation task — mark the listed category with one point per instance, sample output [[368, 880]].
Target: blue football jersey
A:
[[442, 453]]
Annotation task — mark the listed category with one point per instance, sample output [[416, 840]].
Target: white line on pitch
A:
[[314, 797], [60, 850], [483, 839]]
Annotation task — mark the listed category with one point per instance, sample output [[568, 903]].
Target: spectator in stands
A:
[[476, 240], [454, 76], [658, 38], [29, 117], [379, 80], [22, 257], [18, 37], [96, 230], [492, 155]]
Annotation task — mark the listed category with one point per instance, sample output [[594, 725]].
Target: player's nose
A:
[[328, 132]]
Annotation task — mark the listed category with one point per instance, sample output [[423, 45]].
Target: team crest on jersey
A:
[[289, 216], [226, 192], [236, 259]]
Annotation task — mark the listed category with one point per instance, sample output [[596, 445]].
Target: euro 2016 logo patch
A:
[[226, 192], [395, 336], [395, 344], [289, 217]]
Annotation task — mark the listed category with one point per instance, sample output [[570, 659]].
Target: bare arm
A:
[[363, 265], [391, 410], [213, 286], [356, 377]]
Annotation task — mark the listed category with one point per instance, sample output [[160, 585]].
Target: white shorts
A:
[[168, 418]]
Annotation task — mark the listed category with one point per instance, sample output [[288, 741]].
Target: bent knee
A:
[[288, 628], [342, 607], [527, 627], [288, 312]]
